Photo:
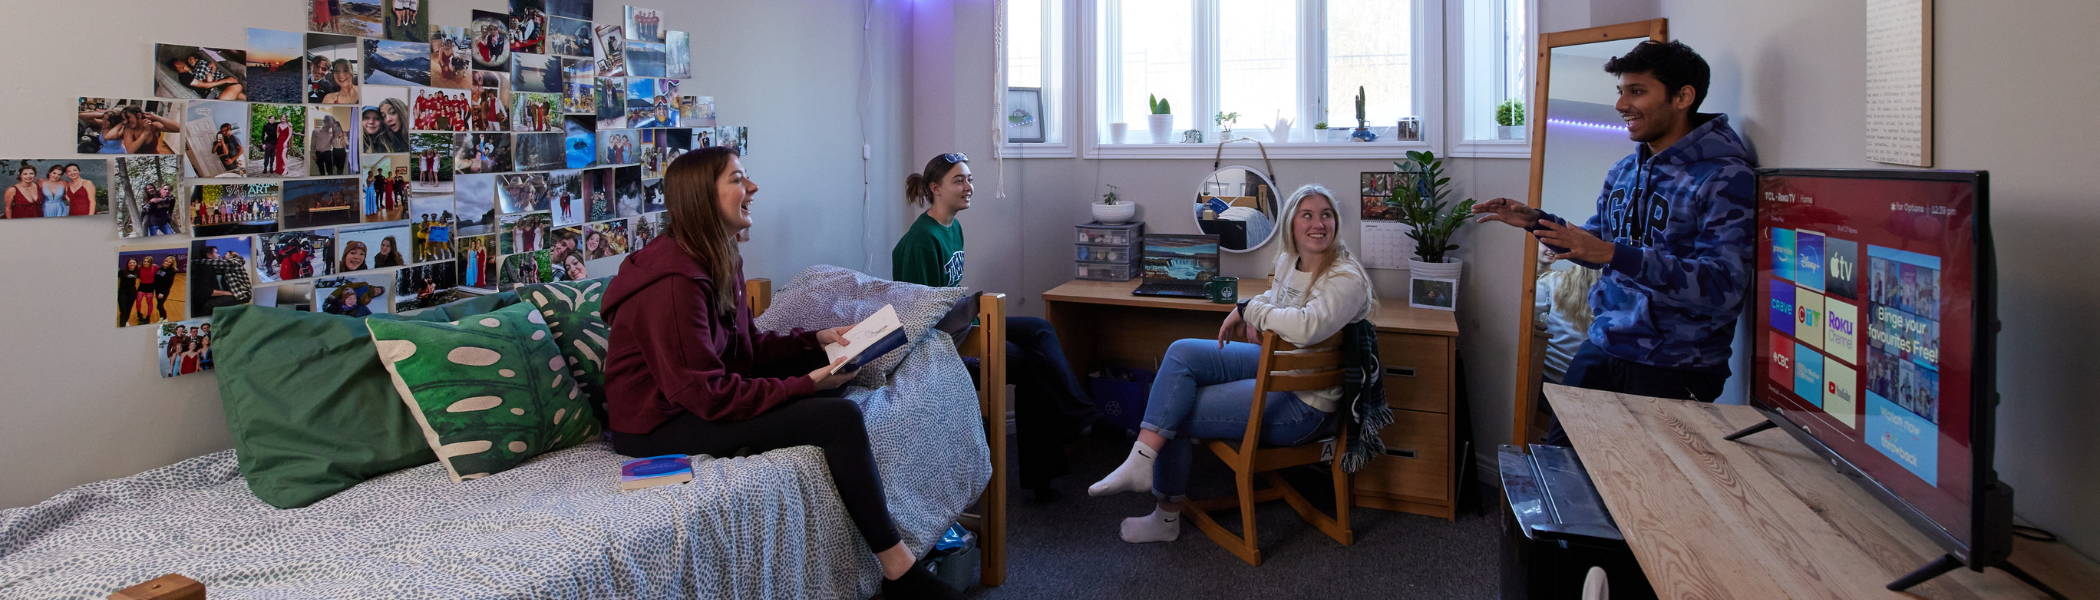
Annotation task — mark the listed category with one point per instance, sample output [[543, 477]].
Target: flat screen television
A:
[[1875, 343]]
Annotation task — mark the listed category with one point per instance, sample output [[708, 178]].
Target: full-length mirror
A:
[[1577, 136], [1237, 204]]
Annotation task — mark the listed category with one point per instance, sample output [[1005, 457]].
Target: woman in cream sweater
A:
[[1205, 388]]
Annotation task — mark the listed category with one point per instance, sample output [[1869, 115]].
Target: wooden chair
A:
[[987, 343], [1320, 368]]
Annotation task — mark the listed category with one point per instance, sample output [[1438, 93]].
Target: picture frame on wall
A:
[[1024, 115]]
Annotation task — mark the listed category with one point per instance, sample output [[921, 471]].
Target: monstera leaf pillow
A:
[[571, 312], [489, 390]]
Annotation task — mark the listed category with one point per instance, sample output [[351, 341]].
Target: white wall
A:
[[2008, 79], [83, 401]]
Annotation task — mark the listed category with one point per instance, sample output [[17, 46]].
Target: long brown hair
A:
[[696, 222], [918, 187]]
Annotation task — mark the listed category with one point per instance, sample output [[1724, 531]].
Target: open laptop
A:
[[1178, 266]]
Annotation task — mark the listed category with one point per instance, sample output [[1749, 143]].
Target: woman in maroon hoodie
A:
[[686, 373]]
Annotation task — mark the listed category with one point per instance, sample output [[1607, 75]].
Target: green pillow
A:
[[571, 312], [311, 409], [489, 391]]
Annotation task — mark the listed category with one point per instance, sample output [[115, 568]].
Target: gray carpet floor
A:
[[1068, 548]]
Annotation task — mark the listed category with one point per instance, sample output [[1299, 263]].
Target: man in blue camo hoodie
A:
[[1672, 234]]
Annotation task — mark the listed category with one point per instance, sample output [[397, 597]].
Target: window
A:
[[1033, 29], [1497, 94], [1302, 60]]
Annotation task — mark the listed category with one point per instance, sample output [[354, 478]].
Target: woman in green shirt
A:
[[1050, 408]]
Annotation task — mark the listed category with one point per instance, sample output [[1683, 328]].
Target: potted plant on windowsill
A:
[[1111, 210], [1225, 121], [1363, 127], [1320, 132], [1418, 200], [1509, 120], [1162, 121]]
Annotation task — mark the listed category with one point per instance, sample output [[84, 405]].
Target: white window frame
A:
[[1060, 96], [1427, 57], [1455, 103]]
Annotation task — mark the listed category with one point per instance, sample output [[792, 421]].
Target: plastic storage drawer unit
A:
[[1112, 235], [1121, 271], [1114, 254]]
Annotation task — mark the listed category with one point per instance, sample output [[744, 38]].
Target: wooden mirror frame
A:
[[1530, 350]]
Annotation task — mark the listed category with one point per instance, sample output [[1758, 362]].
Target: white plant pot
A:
[[1114, 214], [1509, 132], [1449, 269], [1433, 285], [1330, 135], [1162, 128], [1117, 130]]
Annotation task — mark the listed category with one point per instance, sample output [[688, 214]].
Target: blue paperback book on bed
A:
[[654, 471], [869, 340]]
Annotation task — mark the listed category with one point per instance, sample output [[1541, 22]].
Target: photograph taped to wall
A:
[[474, 199], [536, 73], [564, 197], [678, 53], [389, 62], [605, 239], [57, 187], [642, 229], [384, 121], [385, 189], [652, 195], [408, 20], [535, 112], [450, 62], [573, 9], [477, 153], [523, 233], [566, 252], [580, 144], [645, 59], [333, 145], [221, 273], [424, 286], [288, 296], [431, 158], [185, 347], [528, 27], [215, 138], [194, 73], [645, 24], [371, 247], [612, 102], [522, 192], [278, 140], [289, 255], [477, 262], [348, 17], [152, 284], [333, 69], [491, 103], [232, 208], [618, 146], [439, 109], [653, 153], [611, 48], [118, 126], [491, 33], [570, 37], [354, 295], [579, 86], [597, 194], [320, 202], [526, 269], [143, 195], [276, 65], [430, 223], [627, 193]]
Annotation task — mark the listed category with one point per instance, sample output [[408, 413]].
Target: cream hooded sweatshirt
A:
[[1304, 312]]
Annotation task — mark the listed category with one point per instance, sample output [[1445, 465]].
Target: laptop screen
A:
[[1180, 257]]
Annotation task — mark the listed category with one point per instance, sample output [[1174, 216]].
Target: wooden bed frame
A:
[[986, 343]]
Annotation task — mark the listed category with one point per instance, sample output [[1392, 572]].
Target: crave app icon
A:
[[1782, 302], [1782, 369], [1841, 330], [1808, 318], [1808, 260], [1783, 253], [1841, 393], [1841, 277]]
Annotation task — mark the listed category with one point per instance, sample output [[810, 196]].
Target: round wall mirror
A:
[[1237, 204]]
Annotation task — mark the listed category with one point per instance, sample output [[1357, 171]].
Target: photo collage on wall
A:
[[377, 160]]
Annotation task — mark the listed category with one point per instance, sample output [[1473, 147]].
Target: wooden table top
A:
[[1764, 517], [1394, 315]]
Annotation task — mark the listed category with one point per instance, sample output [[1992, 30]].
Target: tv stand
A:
[[1948, 563]]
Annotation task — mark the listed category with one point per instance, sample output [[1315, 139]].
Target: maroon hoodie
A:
[[671, 352]]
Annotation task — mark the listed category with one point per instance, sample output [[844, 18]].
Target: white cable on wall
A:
[[867, 260]]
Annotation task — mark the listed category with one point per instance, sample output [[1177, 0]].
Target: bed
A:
[[764, 526]]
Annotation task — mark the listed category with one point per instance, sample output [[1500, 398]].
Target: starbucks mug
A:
[[1223, 290]]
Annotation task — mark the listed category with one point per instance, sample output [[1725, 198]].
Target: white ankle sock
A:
[[1135, 475], [1160, 526]]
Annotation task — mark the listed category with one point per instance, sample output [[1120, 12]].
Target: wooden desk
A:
[[1764, 517], [1101, 324]]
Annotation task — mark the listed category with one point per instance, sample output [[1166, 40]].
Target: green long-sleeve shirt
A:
[[929, 254]]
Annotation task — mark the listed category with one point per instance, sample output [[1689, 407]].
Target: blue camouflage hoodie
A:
[[1682, 220]]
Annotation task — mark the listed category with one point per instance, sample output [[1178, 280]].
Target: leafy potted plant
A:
[[1225, 121], [1418, 201], [1111, 210], [1509, 119], [1162, 121], [1363, 127]]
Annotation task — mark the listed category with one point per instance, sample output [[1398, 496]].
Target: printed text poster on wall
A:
[[1899, 82]]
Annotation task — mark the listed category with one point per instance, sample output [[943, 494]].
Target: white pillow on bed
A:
[[827, 296]]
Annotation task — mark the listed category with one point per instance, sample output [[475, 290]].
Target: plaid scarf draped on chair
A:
[[1363, 393]]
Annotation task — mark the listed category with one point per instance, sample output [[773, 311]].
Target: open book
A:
[[869, 340]]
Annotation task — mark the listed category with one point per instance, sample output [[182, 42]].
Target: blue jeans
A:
[[1206, 392]]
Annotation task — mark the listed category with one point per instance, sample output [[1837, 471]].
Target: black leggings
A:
[[833, 424]]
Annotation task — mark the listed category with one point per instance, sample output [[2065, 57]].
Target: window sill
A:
[[1039, 150], [1492, 149], [1365, 150]]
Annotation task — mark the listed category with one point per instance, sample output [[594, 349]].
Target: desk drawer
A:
[[1426, 475], [1417, 371]]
